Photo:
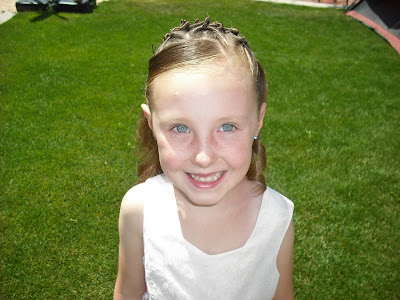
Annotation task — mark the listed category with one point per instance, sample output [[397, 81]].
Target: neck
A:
[[231, 203]]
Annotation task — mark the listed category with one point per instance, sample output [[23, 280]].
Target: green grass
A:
[[70, 89]]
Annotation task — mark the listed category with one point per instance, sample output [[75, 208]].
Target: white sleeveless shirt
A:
[[176, 269]]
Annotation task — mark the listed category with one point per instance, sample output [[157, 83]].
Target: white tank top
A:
[[176, 269]]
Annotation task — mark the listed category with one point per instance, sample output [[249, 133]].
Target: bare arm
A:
[[130, 281], [284, 263]]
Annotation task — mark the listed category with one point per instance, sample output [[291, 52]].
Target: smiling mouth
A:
[[207, 179]]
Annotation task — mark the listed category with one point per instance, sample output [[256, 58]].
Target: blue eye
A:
[[181, 128], [228, 127]]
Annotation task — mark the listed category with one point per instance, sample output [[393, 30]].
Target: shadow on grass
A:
[[47, 14]]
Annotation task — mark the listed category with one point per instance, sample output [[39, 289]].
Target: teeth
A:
[[207, 179]]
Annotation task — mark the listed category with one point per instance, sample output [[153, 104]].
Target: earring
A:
[[255, 137]]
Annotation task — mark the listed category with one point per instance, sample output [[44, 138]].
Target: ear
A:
[[261, 116], [147, 113]]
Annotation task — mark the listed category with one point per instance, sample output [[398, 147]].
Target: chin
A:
[[203, 201], [198, 198], [203, 197], [205, 193]]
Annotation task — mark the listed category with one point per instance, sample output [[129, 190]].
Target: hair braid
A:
[[257, 166], [148, 160], [191, 45]]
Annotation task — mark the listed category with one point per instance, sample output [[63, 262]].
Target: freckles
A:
[[238, 153], [181, 151], [171, 157]]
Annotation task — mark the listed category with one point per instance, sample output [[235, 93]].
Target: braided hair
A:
[[192, 45]]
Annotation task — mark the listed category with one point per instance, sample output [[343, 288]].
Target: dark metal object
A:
[[85, 6]]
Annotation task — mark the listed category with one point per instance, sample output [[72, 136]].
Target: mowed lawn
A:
[[70, 90]]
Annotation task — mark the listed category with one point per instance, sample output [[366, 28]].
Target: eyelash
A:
[[187, 130], [175, 128], [233, 127]]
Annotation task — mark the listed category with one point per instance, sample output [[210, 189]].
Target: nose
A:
[[204, 153]]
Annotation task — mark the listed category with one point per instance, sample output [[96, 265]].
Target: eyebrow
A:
[[182, 119]]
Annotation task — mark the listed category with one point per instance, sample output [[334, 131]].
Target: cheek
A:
[[171, 156], [238, 152]]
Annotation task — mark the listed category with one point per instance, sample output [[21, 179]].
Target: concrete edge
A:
[[5, 16], [305, 3]]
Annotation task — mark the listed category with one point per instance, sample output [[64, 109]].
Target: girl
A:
[[202, 224]]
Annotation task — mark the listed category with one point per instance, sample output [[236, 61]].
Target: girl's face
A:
[[205, 121]]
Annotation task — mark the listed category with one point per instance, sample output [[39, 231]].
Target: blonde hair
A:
[[193, 45]]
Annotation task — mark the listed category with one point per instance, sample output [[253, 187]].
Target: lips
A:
[[206, 179]]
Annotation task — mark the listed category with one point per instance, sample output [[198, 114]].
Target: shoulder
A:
[[278, 200], [131, 212], [133, 201], [139, 192]]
